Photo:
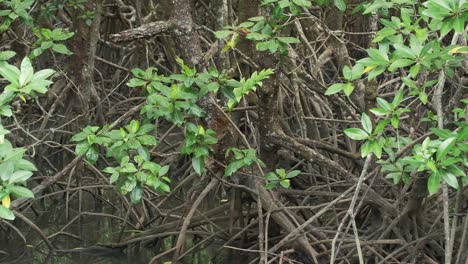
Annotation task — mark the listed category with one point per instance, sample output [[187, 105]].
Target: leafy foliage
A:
[[280, 178], [197, 144], [15, 9], [121, 144], [132, 177], [49, 39], [14, 169], [241, 158], [405, 46], [260, 30]]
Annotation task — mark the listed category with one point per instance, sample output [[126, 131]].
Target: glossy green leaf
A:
[[27, 72], [222, 34], [433, 183], [20, 176], [6, 55], [6, 170], [10, 73], [6, 213], [444, 148], [293, 174], [356, 133], [335, 88], [82, 148], [198, 164], [400, 63], [62, 49], [303, 3], [348, 88], [136, 194], [285, 183], [366, 123], [340, 4], [20, 191], [450, 179], [271, 176]]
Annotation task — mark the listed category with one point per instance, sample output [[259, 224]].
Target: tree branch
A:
[[144, 31]]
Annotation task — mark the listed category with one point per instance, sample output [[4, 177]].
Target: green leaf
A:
[[438, 13], [414, 70], [10, 73], [395, 121], [423, 97], [379, 56], [257, 18], [398, 98], [303, 3], [133, 126], [164, 187], [6, 170], [23, 164], [348, 89], [366, 149], [27, 72], [356, 133], [257, 36], [335, 88], [271, 176], [366, 123], [285, 183], [163, 171], [284, 3], [62, 49], [402, 51], [20, 176], [82, 148], [270, 45], [433, 183], [136, 194], [384, 104], [400, 63], [376, 148], [442, 133], [6, 55], [222, 34], [449, 161], [293, 174], [6, 213], [340, 4], [459, 24], [376, 72], [379, 111], [396, 176], [114, 177], [233, 167], [42, 75], [450, 179], [379, 128], [20, 191], [347, 73], [147, 140], [198, 164], [444, 148], [245, 25], [92, 155], [432, 166]]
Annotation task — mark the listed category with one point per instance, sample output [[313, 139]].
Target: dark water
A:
[[88, 231]]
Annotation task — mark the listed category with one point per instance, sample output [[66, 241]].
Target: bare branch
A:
[[145, 31]]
